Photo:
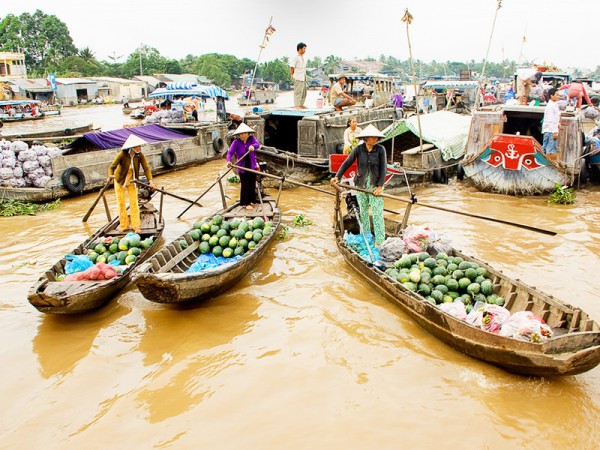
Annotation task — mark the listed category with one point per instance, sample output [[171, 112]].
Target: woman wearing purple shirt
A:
[[243, 149]]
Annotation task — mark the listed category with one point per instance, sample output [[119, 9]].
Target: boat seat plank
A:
[[60, 288], [575, 321], [175, 260]]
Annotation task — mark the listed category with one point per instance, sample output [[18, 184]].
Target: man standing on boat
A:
[[550, 126], [298, 72]]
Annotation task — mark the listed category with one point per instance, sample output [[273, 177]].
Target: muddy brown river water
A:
[[301, 353]]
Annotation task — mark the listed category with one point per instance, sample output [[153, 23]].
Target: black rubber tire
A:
[[440, 176], [68, 132], [584, 174], [460, 172], [168, 157], [73, 180], [218, 144]]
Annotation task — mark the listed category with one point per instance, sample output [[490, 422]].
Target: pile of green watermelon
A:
[[444, 279], [126, 249], [228, 238]]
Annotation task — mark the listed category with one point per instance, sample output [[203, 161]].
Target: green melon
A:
[[221, 233], [243, 243], [217, 250], [205, 227], [233, 243], [217, 220], [258, 223], [224, 241], [214, 229], [100, 248], [135, 240], [199, 225], [227, 252], [113, 248], [136, 251], [235, 223], [93, 255], [182, 243], [124, 244], [130, 259], [194, 234], [213, 241], [204, 248], [226, 226], [205, 237], [239, 234], [251, 245], [238, 251]]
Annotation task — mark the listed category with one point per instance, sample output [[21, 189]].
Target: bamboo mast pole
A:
[[268, 32], [408, 18], [481, 77]]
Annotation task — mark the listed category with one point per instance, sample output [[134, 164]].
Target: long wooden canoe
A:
[[163, 278], [51, 296], [574, 347]]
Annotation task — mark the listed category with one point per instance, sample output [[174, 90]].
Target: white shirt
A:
[[299, 67], [551, 118]]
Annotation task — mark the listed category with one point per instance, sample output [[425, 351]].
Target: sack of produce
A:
[[41, 181], [9, 162], [416, 238], [438, 244], [392, 249], [526, 326], [455, 309], [27, 155], [488, 317], [18, 146]]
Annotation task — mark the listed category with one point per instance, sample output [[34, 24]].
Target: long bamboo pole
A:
[[408, 201]]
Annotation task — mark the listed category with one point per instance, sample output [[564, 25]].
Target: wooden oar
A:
[[477, 216], [393, 197], [219, 178], [100, 194], [162, 191]]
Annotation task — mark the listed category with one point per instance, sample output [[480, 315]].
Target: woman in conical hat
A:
[[243, 149], [370, 174], [124, 169]]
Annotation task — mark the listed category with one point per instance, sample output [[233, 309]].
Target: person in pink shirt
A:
[[577, 91]]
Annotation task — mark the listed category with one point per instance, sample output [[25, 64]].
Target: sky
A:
[[442, 30]]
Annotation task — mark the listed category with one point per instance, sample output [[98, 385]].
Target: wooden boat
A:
[[56, 134], [163, 278], [71, 297], [575, 347], [22, 115], [263, 92], [83, 165], [504, 154]]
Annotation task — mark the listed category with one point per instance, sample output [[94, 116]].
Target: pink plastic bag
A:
[[526, 326], [416, 238]]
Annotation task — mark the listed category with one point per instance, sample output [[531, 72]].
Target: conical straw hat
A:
[[243, 128], [371, 131], [133, 141]]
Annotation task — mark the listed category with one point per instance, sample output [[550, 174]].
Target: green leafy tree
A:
[[148, 58], [332, 64], [76, 66], [276, 71], [44, 39]]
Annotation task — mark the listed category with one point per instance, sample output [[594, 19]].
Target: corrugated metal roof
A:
[[68, 81]]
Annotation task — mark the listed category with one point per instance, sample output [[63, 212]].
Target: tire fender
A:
[[168, 157], [73, 180], [218, 144], [460, 172], [440, 176], [68, 132]]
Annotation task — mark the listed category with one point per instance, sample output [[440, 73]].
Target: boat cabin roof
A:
[[18, 102], [184, 89]]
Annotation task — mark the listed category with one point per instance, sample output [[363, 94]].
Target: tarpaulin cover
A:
[[446, 130], [116, 138]]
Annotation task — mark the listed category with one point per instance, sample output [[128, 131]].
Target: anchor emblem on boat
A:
[[511, 153]]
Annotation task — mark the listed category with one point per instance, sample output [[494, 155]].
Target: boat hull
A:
[[574, 349], [50, 296], [94, 164], [179, 287]]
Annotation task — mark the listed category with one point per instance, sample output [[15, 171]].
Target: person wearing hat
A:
[[526, 78], [124, 169], [242, 148], [372, 165], [338, 96]]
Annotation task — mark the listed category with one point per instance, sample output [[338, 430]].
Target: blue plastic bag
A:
[[210, 261], [357, 243], [77, 263]]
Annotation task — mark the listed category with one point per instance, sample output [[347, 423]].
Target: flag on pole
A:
[[268, 32]]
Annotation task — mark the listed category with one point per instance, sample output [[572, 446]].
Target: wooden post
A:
[[222, 194], [106, 208]]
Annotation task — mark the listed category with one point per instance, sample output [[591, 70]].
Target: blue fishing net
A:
[[210, 261], [357, 243]]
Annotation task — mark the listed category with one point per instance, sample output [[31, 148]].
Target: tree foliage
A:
[[43, 38]]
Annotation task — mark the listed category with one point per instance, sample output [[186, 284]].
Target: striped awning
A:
[[187, 89]]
